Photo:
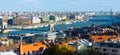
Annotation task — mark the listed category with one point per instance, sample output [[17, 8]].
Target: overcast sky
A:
[[59, 5]]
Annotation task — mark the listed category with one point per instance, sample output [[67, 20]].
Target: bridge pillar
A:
[[51, 27]]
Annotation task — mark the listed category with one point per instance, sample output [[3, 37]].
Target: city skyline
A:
[[59, 5]]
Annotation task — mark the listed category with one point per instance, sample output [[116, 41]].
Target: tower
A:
[[20, 46], [3, 26]]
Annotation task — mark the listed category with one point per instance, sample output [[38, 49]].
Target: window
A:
[[105, 54], [104, 50], [115, 51], [114, 54], [97, 49]]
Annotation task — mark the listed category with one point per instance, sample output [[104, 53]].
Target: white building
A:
[[90, 13], [49, 35], [81, 45], [58, 18], [36, 20], [79, 17], [8, 53], [52, 35]]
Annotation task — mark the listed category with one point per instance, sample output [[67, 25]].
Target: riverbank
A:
[[47, 24], [62, 26]]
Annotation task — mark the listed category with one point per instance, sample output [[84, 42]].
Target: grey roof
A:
[[108, 44]]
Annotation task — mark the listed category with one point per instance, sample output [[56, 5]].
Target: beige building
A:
[[22, 21]]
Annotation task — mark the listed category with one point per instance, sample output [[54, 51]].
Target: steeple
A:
[[20, 46]]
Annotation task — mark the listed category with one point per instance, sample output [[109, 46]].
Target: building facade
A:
[[21, 21], [35, 20], [108, 48]]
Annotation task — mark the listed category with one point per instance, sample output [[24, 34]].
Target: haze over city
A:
[[60, 27], [59, 5]]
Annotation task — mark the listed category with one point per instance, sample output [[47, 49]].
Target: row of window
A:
[[105, 50]]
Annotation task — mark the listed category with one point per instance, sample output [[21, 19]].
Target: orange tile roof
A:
[[31, 47], [102, 38]]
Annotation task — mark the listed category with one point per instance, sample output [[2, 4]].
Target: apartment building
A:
[[21, 21], [108, 48]]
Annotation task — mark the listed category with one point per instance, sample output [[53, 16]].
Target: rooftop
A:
[[109, 44], [32, 47], [103, 38], [8, 53]]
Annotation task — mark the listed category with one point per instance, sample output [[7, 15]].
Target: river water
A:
[[97, 20]]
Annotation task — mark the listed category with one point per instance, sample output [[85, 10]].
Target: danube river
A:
[[97, 20]]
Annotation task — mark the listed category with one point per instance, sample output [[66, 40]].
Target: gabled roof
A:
[[32, 47]]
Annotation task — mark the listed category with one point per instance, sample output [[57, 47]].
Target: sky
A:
[[59, 5]]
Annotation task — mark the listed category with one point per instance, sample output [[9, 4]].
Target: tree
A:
[[68, 50], [60, 50], [67, 19]]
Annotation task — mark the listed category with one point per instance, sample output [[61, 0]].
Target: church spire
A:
[[20, 46]]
